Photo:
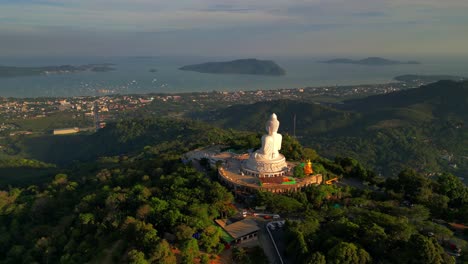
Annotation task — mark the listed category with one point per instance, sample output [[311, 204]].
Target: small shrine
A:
[[308, 168]]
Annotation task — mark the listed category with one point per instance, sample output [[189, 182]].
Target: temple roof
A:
[[239, 228]]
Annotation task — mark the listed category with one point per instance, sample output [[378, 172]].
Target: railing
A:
[[316, 179]]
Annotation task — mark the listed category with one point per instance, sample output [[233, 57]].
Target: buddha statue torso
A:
[[267, 160], [271, 143]]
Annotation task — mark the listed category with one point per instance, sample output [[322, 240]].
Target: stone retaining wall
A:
[[274, 188]]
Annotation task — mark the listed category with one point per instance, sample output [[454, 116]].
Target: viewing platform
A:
[[230, 173], [265, 169]]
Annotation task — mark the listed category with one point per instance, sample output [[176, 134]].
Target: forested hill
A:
[[133, 198], [243, 66], [443, 97], [372, 61], [315, 117], [120, 138], [151, 206], [11, 71], [389, 132]]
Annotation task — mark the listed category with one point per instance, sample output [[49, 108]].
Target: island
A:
[[12, 71], [372, 61], [242, 66], [427, 78]]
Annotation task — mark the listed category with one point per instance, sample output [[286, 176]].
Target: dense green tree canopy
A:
[[148, 205]]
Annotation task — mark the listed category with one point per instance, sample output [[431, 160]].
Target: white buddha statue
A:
[[271, 143], [267, 161]]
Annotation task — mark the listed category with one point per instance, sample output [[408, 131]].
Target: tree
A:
[[438, 204], [143, 234], [309, 226], [319, 168], [239, 255], [454, 188], [310, 154], [136, 257], [210, 239], [413, 185], [221, 199], [189, 251], [374, 238], [299, 172], [184, 232], [297, 245], [158, 205], [143, 212], [60, 179], [422, 250], [359, 172], [347, 253], [284, 204], [86, 218], [317, 258], [291, 148], [139, 194], [318, 194], [277, 203], [346, 228], [253, 141], [205, 259], [162, 253]]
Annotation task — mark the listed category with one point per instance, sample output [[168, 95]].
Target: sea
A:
[[133, 75]]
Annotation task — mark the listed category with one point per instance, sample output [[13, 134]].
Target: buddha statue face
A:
[[272, 124]]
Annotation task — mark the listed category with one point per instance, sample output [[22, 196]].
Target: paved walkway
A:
[[266, 243]]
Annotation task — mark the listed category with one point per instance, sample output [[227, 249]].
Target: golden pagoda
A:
[[308, 168]]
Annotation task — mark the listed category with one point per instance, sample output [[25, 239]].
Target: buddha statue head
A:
[[272, 124]]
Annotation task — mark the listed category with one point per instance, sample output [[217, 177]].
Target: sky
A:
[[233, 27]]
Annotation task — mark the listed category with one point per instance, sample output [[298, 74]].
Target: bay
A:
[[133, 76]]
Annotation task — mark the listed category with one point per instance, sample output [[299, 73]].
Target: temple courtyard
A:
[[230, 172], [265, 169]]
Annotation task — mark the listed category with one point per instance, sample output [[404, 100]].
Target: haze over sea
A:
[[132, 75]]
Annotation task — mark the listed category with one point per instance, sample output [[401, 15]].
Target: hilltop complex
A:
[[264, 169]]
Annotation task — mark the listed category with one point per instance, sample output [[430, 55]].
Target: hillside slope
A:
[[313, 117], [444, 97], [418, 128]]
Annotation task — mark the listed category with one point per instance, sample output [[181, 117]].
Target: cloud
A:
[[96, 16], [277, 25], [197, 14], [370, 14]]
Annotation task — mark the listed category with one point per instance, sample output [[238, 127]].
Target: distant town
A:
[[110, 107]]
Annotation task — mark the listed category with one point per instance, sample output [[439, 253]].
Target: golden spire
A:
[[308, 168]]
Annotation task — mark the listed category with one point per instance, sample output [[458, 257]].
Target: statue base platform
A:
[[265, 168]]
